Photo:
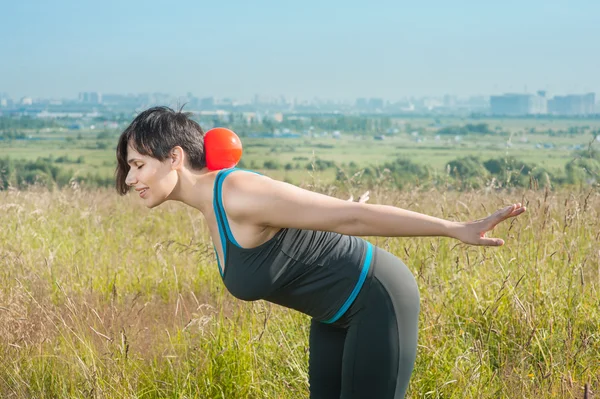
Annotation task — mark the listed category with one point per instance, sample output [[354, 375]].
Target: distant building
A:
[[519, 104], [535, 104], [278, 117], [207, 103], [5, 100], [362, 103], [449, 101], [370, 104], [376, 103], [90, 97], [574, 104], [538, 104]]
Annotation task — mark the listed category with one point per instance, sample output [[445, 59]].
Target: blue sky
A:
[[328, 49]]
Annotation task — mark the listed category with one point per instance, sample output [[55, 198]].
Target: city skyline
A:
[[338, 50], [260, 97], [525, 89], [507, 104]]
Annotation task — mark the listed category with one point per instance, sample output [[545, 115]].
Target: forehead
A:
[[133, 155]]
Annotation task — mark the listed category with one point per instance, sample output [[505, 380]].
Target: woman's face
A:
[[153, 180]]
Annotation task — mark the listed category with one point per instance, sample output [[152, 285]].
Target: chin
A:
[[152, 204], [155, 199]]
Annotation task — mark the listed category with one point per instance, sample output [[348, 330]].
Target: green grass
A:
[[100, 297], [362, 150]]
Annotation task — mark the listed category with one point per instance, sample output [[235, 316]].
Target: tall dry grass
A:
[[101, 298]]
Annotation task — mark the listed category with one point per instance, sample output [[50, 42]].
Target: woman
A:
[[302, 250]]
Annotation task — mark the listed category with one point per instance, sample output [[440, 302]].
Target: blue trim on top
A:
[[224, 173], [357, 287], [218, 196], [219, 224], [222, 222]]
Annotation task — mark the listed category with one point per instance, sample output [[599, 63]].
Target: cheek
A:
[[146, 175], [159, 178]]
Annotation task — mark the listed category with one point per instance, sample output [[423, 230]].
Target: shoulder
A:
[[241, 181], [243, 191]]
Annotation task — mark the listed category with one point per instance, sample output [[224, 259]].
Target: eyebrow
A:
[[133, 160]]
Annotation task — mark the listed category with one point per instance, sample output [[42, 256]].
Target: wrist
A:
[[453, 229]]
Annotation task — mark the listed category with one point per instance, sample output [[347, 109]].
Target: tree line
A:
[[47, 172], [461, 173]]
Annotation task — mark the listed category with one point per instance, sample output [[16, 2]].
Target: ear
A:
[[177, 156]]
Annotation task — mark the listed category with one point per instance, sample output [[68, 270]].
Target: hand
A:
[[474, 232], [362, 199]]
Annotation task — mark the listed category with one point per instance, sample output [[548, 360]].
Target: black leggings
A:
[[370, 352]]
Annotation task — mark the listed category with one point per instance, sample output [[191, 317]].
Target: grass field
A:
[[102, 298], [525, 139]]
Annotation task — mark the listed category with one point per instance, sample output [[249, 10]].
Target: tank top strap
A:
[[222, 223]]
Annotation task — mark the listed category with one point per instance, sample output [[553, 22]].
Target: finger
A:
[[516, 211], [491, 242], [509, 211], [495, 218], [519, 209], [501, 215]]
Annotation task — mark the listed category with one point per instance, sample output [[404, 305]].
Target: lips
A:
[[142, 191]]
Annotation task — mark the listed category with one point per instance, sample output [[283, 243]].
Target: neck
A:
[[194, 188]]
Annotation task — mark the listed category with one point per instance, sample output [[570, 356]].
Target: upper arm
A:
[[260, 200]]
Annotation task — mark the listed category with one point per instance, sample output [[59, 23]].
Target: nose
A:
[[130, 180]]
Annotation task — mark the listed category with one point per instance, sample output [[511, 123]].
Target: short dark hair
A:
[[156, 131]]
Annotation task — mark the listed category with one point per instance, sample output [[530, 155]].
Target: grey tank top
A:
[[318, 273]]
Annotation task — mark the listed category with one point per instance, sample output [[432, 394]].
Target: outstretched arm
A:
[[263, 201], [392, 221]]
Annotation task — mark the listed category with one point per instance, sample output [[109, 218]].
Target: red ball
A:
[[222, 147]]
